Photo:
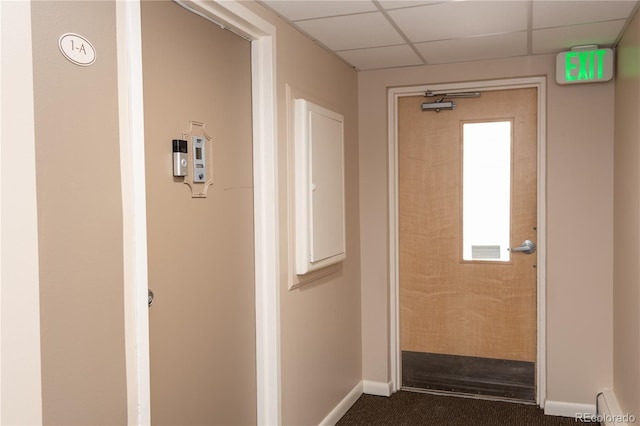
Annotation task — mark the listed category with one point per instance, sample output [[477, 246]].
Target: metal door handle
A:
[[150, 297], [527, 247]]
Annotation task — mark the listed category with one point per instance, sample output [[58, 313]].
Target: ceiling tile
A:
[[452, 30], [474, 48], [554, 40], [381, 57], [449, 20], [548, 14], [352, 31], [397, 4], [309, 9]]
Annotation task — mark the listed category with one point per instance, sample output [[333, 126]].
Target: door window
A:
[[486, 203]]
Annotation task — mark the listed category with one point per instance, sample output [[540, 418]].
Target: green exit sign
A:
[[584, 66]]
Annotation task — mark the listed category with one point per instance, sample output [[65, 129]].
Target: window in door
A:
[[486, 194]]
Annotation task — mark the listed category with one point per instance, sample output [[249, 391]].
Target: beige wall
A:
[[79, 218], [626, 288], [579, 214], [81, 226], [320, 322]]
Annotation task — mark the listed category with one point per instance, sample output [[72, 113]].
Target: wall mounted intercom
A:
[[194, 163], [199, 165]]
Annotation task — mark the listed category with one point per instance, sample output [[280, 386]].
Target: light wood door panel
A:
[[448, 306]]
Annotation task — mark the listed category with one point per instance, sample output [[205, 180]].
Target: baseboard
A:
[[568, 409], [343, 406], [376, 388], [609, 411]]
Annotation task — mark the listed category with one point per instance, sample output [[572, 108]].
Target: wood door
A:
[[201, 250], [454, 312]]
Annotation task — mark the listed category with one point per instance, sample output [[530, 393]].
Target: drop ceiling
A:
[[388, 34]]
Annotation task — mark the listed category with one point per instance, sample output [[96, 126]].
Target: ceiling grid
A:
[[376, 34]]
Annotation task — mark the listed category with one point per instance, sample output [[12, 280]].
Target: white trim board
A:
[[567, 409], [343, 406], [609, 411], [377, 388], [236, 17], [20, 369], [392, 102], [134, 211], [365, 386]]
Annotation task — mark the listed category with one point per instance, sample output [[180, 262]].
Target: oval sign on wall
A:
[[77, 49]]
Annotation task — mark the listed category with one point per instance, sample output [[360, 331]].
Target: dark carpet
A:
[[411, 408]]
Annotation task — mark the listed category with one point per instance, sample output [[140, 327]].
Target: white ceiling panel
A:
[[548, 14], [381, 57], [308, 9], [397, 4], [554, 40], [352, 31], [374, 34], [461, 19], [474, 48]]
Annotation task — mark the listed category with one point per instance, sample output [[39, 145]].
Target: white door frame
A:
[[20, 362], [394, 295], [233, 15]]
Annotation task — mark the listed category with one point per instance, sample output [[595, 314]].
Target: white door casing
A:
[[20, 371]]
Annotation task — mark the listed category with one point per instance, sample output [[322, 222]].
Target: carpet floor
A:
[[411, 408]]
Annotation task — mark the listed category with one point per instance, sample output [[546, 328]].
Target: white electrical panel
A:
[[319, 186]]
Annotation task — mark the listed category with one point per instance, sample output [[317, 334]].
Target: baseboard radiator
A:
[[609, 412]]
